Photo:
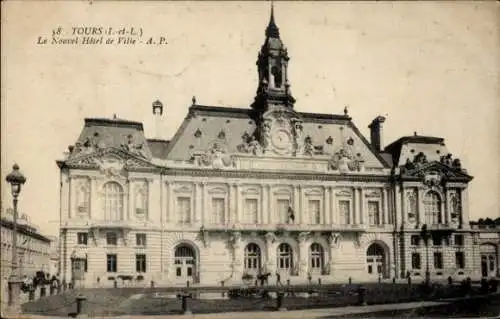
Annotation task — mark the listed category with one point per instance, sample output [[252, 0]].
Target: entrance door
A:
[[285, 259], [375, 261], [185, 263]]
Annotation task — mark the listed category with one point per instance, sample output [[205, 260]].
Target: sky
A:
[[429, 67]]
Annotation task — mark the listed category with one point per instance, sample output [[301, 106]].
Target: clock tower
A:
[[279, 126]]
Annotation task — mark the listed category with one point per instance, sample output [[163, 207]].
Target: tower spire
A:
[[272, 30]]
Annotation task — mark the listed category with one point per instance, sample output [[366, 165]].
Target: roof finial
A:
[[194, 100], [272, 30], [346, 111], [114, 116], [414, 133]]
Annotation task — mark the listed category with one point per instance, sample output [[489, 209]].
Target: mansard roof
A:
[[206, 125], [158, 148], [101, 133], [407, 147]]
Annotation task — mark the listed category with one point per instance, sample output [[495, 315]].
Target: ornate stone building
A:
[[262, 189]]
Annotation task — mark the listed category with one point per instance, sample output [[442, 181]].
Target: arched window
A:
[[432, 203], [316, 257], [113, 201], [285, 258], [252, 257]]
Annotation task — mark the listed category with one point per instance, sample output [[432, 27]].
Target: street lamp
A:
[[16, 180], [424, 234]]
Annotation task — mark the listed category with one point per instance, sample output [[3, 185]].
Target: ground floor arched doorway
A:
[[376, 261], [185, 263]]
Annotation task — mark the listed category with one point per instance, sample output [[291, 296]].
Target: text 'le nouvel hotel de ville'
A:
[[237, 191]]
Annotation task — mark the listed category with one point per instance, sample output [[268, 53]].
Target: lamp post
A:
[[16, 180], [424, 234]]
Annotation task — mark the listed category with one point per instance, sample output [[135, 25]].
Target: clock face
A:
[[281, 139]]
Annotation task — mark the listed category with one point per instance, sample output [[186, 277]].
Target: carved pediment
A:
[[110, 161]]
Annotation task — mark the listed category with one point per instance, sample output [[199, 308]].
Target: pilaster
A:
[[447, 220], [465, 207], [303, 253], [128, 200], [204, 206], [385, 206], [238, 206], [150, 216], [271, 252], [302, 217], [170, 203], [421, 213], [398, 207], [353, 212], [362, 219], [264, 204], [333, 207], [270, 200], [326, 216], [93, 200]]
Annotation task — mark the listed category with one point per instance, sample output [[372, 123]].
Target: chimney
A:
[[157, 113], [376, 133]]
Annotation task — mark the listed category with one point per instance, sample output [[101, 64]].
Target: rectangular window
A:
[[82, 238], [184, 210], [345, 212], [251, 211], [111, 262], [140, 263], [459, 240], [415, 261], [283, 205], [314, 212], [140, 240], [415, 240], [374, 213], [111, 239], [218, 211], [438, 260], [460, 259]]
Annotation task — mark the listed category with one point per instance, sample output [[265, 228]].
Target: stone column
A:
[[129, 196], [93, 199], [303, 253], [295, 204], [464, 197], [399, 220], [326, 216], [270, 210], [264, 205], [352, 218], [232, 198], [70, 197], [447, 220], [420, 205], [237, 254], [385, 206], [196, 207], [238, 206], [333, 240], [271, 252], [333, 207], [204, 206], [362, 219], [300, 208], [444, 206], [150, 188]]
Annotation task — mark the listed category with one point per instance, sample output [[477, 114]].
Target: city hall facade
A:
[[265, 189]]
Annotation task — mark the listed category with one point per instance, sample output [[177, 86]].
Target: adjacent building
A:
[[263, 189], [32, 246]]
